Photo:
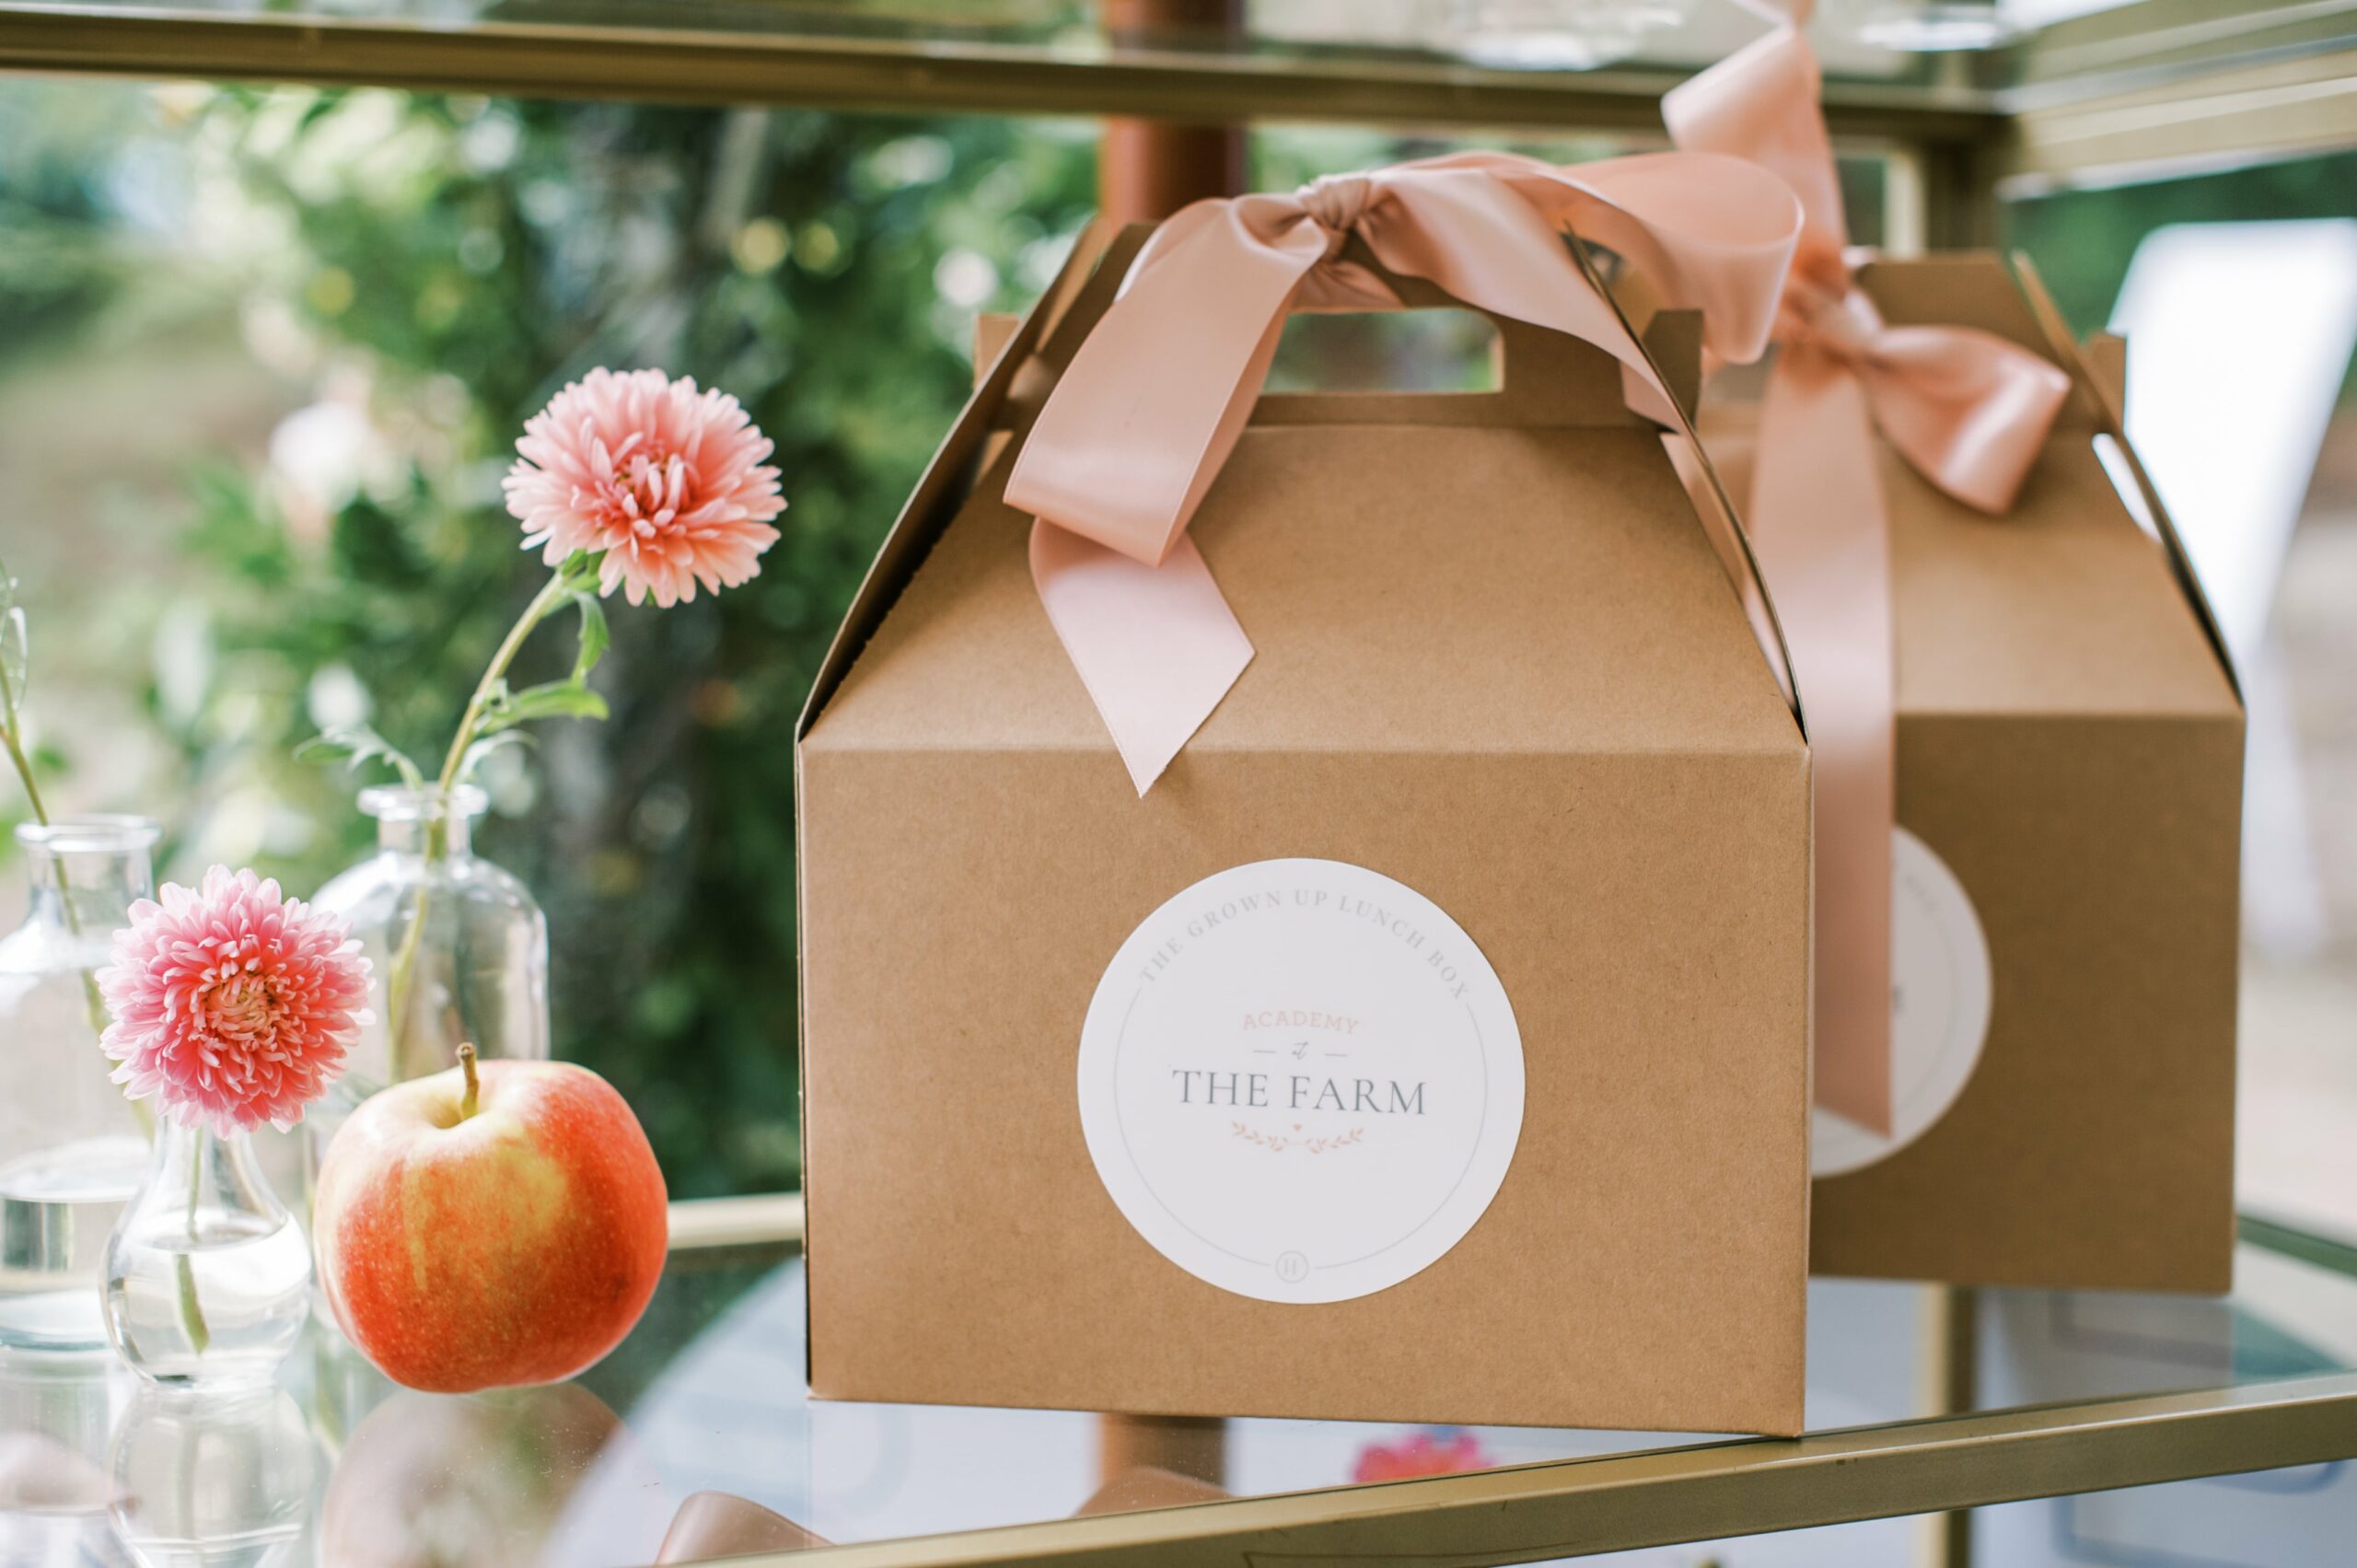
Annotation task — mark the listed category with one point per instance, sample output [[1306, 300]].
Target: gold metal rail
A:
[[688, 64], [769, 1219], [2157, 84]]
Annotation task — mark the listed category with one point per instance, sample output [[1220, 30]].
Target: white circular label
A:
[[1940, 993], [1301, 1081]]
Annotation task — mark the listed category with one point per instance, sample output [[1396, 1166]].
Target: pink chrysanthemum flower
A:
[[664, 480], [232, 1005]]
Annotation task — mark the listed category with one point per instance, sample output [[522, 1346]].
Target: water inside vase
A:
[[207, 1275], [57, 1206]]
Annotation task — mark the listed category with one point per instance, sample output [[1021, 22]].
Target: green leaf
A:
[[558, 699], [595, 637], [483, 747], [359, 744], [12, 662]]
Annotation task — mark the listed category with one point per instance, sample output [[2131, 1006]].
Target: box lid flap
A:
[[1406, 588]]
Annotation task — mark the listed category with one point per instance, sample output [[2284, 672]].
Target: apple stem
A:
[[467, 1065]]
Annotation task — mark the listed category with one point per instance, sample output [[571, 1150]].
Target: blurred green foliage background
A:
[[384, 287], [262, 358]]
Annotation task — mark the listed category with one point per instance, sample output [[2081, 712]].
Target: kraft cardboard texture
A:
[[1498, 661], [2070, 745]]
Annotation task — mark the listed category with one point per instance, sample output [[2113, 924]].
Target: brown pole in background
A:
[[1147, 170]]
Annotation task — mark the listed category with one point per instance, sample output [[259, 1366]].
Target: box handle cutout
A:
[[1447, 350]]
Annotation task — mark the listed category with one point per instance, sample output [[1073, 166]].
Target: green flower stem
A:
[[399, 984], [24, 772], [560, 586], [92, 1002], [398, 981], [199, 1338]]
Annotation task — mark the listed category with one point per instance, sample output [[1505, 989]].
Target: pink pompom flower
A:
[[232, 1005], [666, 483]]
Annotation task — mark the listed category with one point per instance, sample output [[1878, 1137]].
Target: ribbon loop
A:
[[1158, 393], [1974, 410]]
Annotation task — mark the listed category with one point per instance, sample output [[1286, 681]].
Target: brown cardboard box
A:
[[2070, 744], [1498, 663]]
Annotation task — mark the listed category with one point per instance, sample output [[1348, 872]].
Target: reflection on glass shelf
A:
[[491, 1478], [210, 1480], [56, 1421], [2040, 1346], [707, 1397], [873, 1471]]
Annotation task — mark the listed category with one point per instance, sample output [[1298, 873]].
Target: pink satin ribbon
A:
[[1142, 420], [1967, 410]]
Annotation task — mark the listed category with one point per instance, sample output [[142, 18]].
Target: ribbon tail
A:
[[1157, 647], [1823, 542]]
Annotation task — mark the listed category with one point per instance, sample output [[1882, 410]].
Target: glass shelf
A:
[[1919, 1399]]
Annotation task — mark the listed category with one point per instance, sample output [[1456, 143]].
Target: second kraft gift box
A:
[[1430, 1040], [2029, 750], [2069, 801]]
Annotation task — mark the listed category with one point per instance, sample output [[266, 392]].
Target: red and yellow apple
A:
[[490, 1227]]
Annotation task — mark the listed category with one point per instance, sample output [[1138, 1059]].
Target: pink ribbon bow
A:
[[1139, 424], [1967, 410]]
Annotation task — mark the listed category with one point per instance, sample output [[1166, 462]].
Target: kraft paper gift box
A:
[[2066, 887], [1430, 1042], [2028, 750]]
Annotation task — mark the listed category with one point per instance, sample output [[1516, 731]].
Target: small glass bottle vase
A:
[[72, 1149], [459, 951], [208, 1277]]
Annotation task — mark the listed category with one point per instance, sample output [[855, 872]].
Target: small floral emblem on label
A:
[[1277, 1143]]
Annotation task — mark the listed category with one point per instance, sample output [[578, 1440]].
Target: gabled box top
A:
[[1406, 587], [1517, 571], [2063, 606]]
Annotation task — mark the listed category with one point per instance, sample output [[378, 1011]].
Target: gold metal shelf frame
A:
[[2154, 82]]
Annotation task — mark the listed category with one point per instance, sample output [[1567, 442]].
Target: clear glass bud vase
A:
[[208, 1277], [458, 950], [72, 1149]]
